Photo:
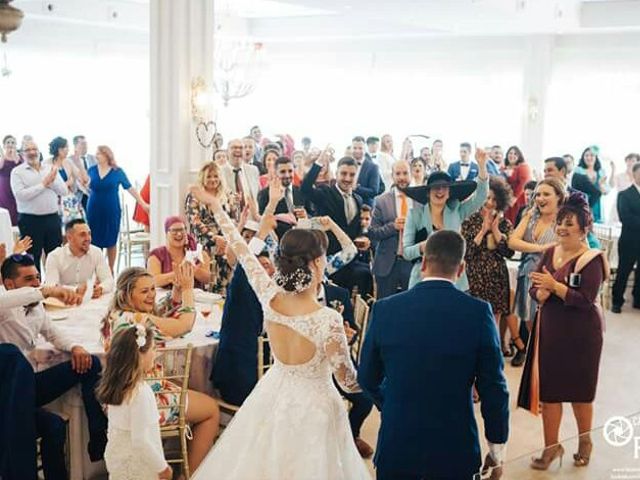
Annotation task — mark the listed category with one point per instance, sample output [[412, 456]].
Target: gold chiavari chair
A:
[[170, 382], [361, 317]]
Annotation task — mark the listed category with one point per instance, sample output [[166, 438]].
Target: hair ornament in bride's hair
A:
[[294, 282]]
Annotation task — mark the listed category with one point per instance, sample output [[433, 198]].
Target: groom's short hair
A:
[[444, 251]]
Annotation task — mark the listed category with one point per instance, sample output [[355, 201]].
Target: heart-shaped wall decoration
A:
[[205, 132]]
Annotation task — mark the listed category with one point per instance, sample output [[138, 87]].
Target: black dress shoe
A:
[[616, 309], [519, 358]]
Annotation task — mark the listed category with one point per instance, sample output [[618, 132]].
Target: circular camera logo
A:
[[618, 431]]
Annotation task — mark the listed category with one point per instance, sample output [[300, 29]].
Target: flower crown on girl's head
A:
[[141, 334]]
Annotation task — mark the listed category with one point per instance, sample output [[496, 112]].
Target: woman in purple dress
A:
[[103, 207], [564, 351], [8, 162]]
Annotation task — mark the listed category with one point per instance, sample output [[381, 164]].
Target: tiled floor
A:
[[618, 394]]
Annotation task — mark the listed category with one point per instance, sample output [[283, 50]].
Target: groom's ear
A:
[[461, 268]]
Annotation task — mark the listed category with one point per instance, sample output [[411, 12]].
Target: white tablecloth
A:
[[83, 325], [6, 234]]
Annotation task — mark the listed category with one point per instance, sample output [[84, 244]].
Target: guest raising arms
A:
[[446, 205], [134, 304], [565, 284], [486, 234]]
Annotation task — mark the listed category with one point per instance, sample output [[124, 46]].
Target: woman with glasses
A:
[[8, 161], [179, 247]]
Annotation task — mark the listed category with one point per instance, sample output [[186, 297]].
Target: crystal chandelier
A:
[[10, 19], [237, 67]]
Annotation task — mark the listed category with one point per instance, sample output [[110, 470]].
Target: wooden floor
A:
[[618, 395]]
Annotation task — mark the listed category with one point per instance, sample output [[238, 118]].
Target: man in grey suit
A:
[[240, 177], [83, 161], [391, 270]]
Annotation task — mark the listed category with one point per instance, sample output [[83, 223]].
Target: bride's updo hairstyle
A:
[[297, 249]]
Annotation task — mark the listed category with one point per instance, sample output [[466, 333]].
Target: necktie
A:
[[288, 199], [84, 162], [348, 207], [239, 189], [404, 207]]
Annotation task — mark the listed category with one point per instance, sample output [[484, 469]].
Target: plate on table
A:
[[51, 302], [201, 296], [58, 315]]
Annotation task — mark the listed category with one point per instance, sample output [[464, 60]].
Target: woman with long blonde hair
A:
[[204, 227], [134, 303]]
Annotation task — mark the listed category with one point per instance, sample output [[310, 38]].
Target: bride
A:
[[294, 424]]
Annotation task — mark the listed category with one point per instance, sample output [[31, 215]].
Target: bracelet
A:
[[185, 309]]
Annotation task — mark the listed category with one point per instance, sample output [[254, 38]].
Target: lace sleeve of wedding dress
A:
[[261, 283], [339, 356]]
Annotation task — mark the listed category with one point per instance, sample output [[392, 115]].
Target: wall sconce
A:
[[201, 98], [532, 109]]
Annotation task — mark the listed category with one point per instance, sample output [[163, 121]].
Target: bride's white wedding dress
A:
[[294, 425]]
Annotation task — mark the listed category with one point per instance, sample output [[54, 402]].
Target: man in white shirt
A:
[[240, 178], [78, 262], [36, 188], [22, 320]]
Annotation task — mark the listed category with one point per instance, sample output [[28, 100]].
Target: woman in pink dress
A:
[[8, 162]]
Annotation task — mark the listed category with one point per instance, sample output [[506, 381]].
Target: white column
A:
[[181, 49], [538, 61]]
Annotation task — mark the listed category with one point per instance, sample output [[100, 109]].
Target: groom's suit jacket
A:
[[422, 353]]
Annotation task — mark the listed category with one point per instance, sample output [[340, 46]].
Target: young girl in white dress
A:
[[134, 447], [294, 424]]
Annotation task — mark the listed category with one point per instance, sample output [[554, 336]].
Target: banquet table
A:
[[6, 232], [82, 323]]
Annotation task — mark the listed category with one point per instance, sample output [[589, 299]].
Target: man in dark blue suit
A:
[[465, 169], [235, 371], [423, 352], [368, 184]]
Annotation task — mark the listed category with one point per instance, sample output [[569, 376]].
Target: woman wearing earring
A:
[[565, 284]]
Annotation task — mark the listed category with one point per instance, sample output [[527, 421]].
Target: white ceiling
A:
[[126, 21]]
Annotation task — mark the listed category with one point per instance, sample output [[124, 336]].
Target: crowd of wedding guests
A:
[[378, 209]]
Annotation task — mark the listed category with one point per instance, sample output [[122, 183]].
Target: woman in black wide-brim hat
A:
[[446, 204]]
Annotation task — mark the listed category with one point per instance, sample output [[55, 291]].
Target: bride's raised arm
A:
[[261, 283]]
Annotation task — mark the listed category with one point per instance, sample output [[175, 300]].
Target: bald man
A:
[[240, 177], [391, 208]]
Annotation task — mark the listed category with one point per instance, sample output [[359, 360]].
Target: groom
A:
[[423, 352]]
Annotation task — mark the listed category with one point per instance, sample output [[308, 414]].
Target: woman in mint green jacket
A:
[[445, 205]]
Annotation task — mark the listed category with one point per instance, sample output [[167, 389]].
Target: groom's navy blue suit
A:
[[422, 353]]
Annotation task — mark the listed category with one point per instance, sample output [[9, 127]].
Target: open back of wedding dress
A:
[[294, 424]]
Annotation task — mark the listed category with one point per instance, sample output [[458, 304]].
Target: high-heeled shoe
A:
[[510, 350], [548, 457], [581, 459], [521, 354]]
